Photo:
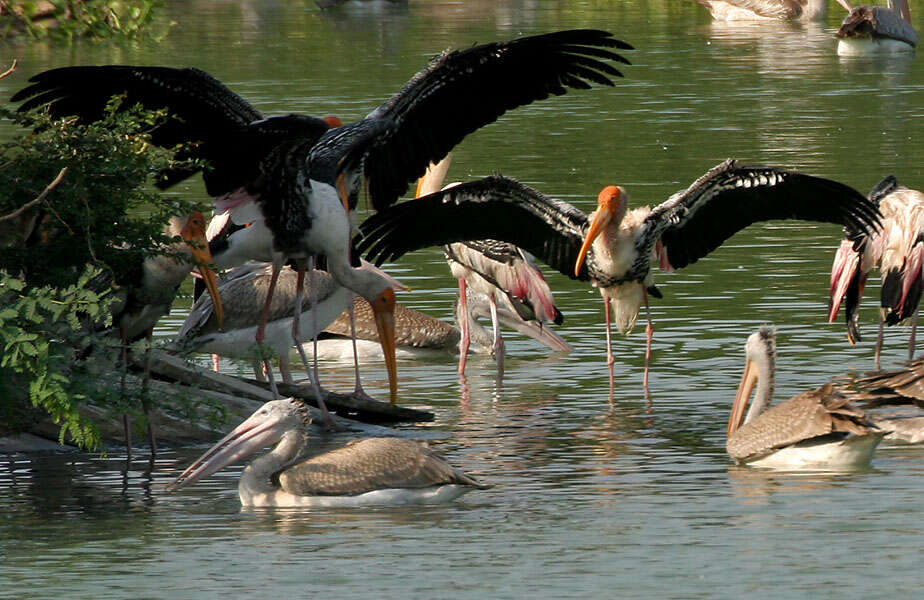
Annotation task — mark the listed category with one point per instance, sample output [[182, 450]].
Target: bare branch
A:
[[38, 199], [10, 70]]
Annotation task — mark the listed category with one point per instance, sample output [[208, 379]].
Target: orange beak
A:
[[748, 379], [607, 204], [194, 235], [332, 121], [383, 307]]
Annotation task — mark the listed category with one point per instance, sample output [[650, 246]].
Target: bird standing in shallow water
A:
[[362, 473], [898, 249], [614, 247]]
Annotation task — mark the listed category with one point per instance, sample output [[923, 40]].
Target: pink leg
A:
[[463, 322], [498, 347], [609, 347], [649, 334], [215, 363], [358, 388]]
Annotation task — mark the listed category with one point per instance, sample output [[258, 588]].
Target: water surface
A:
[[591, 499]]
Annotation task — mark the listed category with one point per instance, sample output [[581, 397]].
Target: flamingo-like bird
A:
[[296, 179], [816, 429], [615, 247], [876, 30], [365, 472], [495, 271], [763, 10], [898, 250]]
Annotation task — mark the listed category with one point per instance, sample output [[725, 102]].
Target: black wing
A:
[[730, 197], [495, 207], [458, 92]]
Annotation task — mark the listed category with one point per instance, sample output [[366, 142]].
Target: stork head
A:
[[193, 233], [611, 205]]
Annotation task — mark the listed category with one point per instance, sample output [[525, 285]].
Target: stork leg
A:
[[610, 361], [465, 340], [261, 328], [649, 334], [126, 421], [145, 392], [358, 390], [297, 337], [498, 347], [914, 330], [215, 363], [879, 341]]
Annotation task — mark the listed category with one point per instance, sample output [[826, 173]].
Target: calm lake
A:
[[590, 499]]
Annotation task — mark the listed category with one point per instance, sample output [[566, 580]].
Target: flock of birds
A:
[[286, 190]]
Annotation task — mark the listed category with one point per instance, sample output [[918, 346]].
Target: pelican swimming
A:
[[876, 30], [766, 10], [817, 429], [364, 472]]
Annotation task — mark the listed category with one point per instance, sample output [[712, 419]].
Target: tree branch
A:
[[10, 70], [38, 199]]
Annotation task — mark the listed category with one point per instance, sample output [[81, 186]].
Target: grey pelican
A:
[[495, 271], [365, 472], [816, 429], [761, 10], [614, 247], [897, 249], [296, 179], [870, 30]]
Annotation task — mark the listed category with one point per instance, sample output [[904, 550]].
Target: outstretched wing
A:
[[730, 197], [495, 207], [460, 91]]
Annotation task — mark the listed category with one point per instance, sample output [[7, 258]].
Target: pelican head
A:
[[263, 428], [611, 207], [193, 233], [760, 351]]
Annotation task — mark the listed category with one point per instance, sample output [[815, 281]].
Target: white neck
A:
[[257, 477], [764, 392]]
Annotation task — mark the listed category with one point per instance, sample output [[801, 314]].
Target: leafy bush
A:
[[66, 20]]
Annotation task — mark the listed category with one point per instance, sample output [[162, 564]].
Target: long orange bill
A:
[[194, 234], [748, 379], [600, 219], [383, 307]]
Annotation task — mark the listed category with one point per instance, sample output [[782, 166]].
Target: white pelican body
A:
[[766, 10], [361, 473], [876, 30], [818, 429]]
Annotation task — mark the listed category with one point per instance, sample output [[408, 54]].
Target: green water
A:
[[590, 500]]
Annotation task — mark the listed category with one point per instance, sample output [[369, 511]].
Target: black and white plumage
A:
[[302, 180], [897, 249], [870, 30], [614, 248], [364, 472]]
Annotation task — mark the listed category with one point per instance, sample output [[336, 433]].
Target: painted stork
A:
[[819, 429], [495, 271], [870, 30], [144, 291], [763, 10], [292, 177], [898, 250], [365, 472], [615, 247]]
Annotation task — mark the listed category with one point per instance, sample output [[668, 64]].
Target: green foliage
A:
[[40, 328], [67, 20], [58, 258]]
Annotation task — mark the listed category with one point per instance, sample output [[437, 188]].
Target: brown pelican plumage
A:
[[295, 179], [762, 10], [893, 400], [817, 429], [365, 472], [876, 30], [897, 249], [614, 247]]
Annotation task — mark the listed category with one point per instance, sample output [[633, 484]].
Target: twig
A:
[[38, 199], [10, 70]]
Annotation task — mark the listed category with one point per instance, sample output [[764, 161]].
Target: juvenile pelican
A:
[[818, 429], [876, 30], [361, 473]]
